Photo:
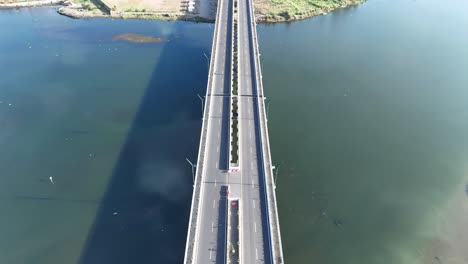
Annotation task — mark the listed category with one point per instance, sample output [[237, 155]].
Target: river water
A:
[[369, 119], [112, 123], [368, 122]]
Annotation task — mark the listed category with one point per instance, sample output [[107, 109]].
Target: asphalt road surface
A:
[[211, 234], [246, 185], [254, 239]]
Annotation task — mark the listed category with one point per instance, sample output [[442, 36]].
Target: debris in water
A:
[[51, 180], [337, 222], [115, 213]]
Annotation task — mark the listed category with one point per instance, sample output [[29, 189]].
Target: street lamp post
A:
[[207, 60], [261, 61], [193, 170], [202, 104], [276, 173], [267, 107]]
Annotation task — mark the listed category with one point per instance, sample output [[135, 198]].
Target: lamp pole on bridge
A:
[[207, 60], [193, 170], [261, 61], [276, 173], [267, 107], [202, 103]]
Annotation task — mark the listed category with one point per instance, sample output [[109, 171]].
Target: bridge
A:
[[234, 216]]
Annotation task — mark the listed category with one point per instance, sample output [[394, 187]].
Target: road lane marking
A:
[[253, 202], [251, 150], [212, 227], [217, 164], [211, 251], [217, 150], [256, 254], [255, 227]]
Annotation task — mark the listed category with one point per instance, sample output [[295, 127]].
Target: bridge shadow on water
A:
[[143, 215]]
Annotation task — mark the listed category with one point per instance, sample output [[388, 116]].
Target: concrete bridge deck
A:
[[215, 185]]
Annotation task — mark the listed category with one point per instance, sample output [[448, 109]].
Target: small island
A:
[[193, 10], [138, 38]]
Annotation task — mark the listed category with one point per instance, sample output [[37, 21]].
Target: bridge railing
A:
[[272, 210], [190, 247]]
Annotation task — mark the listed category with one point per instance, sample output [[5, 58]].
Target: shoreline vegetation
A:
[[271, 11], [266, 11]]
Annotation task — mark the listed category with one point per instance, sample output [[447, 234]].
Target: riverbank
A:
[[189, 10], [7, 4], [271, 11], [268, 11], [154, 10], [77, 12]]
